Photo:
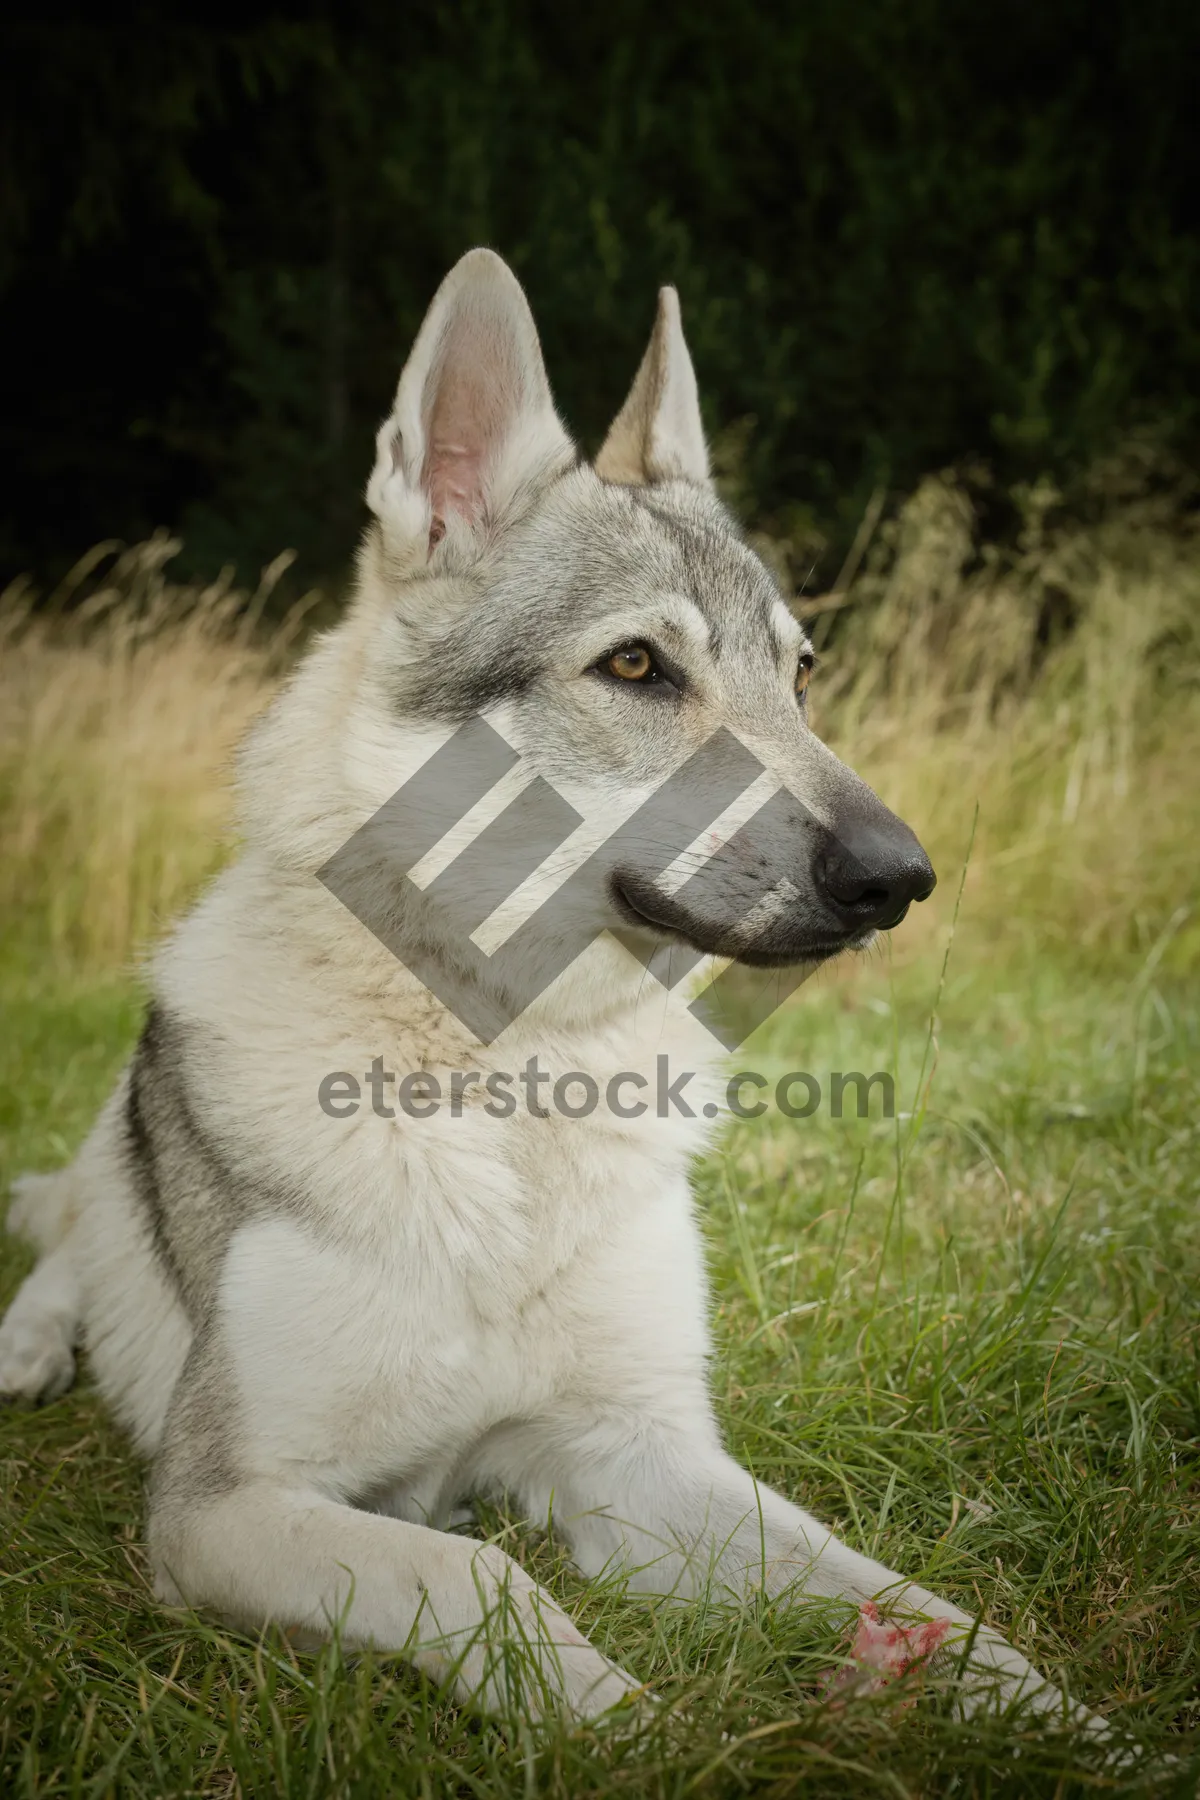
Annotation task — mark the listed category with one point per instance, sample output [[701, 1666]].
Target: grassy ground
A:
[[968, 1335]]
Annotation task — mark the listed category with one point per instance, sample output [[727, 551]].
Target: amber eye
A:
[[804, 674], [633, 662]]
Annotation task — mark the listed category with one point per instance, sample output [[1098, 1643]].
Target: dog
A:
[[327, 1331]]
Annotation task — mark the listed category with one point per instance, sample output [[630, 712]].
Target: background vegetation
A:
[[907, 233]]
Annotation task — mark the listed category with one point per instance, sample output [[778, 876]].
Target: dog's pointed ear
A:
[[658, 435], [473, 427]]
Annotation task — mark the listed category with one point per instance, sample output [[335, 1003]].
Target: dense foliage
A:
[[906, 232]]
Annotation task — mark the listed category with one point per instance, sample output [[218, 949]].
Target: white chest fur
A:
[[467, 1292]]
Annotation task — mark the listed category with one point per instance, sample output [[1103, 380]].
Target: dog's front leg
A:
[[678, 1515], [263, 1551], [247, 1523]]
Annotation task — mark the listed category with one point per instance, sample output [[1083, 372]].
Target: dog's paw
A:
[[37, 1361]]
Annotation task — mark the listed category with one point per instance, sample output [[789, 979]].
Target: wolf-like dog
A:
[[329, 1332]]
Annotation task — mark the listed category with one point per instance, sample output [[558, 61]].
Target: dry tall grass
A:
[[118, 717], [1056, 686]]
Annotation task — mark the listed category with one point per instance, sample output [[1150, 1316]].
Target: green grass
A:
[[968, 1337]]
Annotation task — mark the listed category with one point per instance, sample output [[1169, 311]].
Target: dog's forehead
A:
[[676, 553]]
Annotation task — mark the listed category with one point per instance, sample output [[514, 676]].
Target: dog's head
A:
[[612, 623]]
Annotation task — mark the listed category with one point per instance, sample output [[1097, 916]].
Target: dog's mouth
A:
[[642, 906]]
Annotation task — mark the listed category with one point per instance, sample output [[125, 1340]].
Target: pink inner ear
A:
[[454, 480], [466, 420]]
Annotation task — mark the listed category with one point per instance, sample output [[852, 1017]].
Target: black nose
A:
[[870, 877]]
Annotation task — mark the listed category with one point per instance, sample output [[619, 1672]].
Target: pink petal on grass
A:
[[880, 1651]]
